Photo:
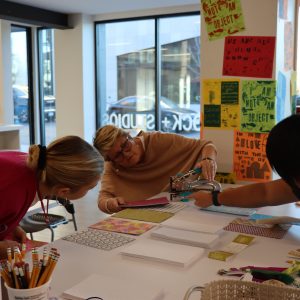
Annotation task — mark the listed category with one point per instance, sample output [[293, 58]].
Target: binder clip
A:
[[181, 185]]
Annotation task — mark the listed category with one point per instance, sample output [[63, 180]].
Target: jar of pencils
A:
[[21, 284]]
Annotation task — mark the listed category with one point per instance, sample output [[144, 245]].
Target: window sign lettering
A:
[[170, 123]]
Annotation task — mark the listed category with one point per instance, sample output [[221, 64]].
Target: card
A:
[[123, 226]]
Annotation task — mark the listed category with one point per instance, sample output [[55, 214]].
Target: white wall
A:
[[6, 103], [75, 86]]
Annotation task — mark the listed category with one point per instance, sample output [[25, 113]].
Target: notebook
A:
[[188, 237], [146, 203], [123, 226], [175, 254], [113, 288], [192, 225]]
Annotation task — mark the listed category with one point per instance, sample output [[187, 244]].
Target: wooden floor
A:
[[86, 213]]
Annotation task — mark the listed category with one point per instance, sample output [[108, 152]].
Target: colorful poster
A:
[[221, 103], [293, 91], [249, 56], [222, 18], [223, 177], [280, 95], [258, 105], [283, 8], [288, 46], [250, 162]]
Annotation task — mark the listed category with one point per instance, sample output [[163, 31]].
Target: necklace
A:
[[45, 210]]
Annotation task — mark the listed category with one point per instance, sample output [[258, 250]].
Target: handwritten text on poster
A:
[[249, 159], [249, 56], [222, 18]]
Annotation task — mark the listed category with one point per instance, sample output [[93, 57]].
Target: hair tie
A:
[[42, 157]]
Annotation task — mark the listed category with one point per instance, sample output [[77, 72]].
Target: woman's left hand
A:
[[19, 235], [209, 168]]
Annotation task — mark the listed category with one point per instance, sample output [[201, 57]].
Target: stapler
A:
[[183, 184]]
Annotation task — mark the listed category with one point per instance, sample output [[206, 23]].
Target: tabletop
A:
[[78, 262]]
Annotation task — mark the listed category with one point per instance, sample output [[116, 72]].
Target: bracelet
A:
[[215, 195], [106, 206]]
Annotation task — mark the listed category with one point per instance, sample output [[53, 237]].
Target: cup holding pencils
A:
[[23, 284]]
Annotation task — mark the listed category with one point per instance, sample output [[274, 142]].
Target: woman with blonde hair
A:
[[140, 167], [68, 168]]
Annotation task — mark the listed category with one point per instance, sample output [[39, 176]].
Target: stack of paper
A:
[[113, 288], [180, 255], [192, 224], [188, 237]]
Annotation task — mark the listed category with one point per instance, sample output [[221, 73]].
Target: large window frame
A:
[[99, 74]]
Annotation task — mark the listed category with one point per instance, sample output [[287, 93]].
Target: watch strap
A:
[[215, 195]]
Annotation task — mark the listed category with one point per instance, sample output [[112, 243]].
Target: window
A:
[[47, 88], [148, 74], [21, 79]]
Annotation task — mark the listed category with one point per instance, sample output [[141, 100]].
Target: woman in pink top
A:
[[67, 168]]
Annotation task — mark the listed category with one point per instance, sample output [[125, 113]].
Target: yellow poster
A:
[[220, 100]]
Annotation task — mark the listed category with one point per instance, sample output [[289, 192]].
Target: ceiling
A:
[[94, 7]]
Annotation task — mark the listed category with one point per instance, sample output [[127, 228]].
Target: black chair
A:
[[34, 222]]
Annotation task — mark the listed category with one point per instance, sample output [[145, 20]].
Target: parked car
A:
[[173, 117], [20, 97]]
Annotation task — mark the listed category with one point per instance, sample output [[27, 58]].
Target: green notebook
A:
[[143, 215]]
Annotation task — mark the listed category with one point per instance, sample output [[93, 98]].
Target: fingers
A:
[[209, 169], [202, 199]]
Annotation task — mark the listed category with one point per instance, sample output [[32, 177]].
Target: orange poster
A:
[[250, 162]]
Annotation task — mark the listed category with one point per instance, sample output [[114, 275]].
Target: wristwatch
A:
[[215, 200]]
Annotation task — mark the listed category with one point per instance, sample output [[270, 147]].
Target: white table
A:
[[78, 262]]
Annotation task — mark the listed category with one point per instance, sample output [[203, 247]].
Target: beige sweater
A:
[[165, 155]]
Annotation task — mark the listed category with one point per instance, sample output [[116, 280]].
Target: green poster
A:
[[222, 18], [258, 106]]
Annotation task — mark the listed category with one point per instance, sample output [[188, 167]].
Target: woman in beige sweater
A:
[[140, 167]]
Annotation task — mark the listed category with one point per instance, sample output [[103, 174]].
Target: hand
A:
[[209, 168], [7, 244], [113, 204], [202, 199], [19, 235]]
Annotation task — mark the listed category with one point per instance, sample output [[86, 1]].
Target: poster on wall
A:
[[224, 177], [283, 9], [288, 46], [258, 105], [221, 103], [249, 157], [293, 92], [249, 56], [222, 18], [280, 95]]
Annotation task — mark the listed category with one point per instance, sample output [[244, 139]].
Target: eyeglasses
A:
[[124, 147]]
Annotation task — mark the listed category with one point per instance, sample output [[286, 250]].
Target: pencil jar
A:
[[38, 293]]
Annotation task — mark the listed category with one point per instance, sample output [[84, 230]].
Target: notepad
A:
[[113, 288], [175, 254], [192, 238]]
